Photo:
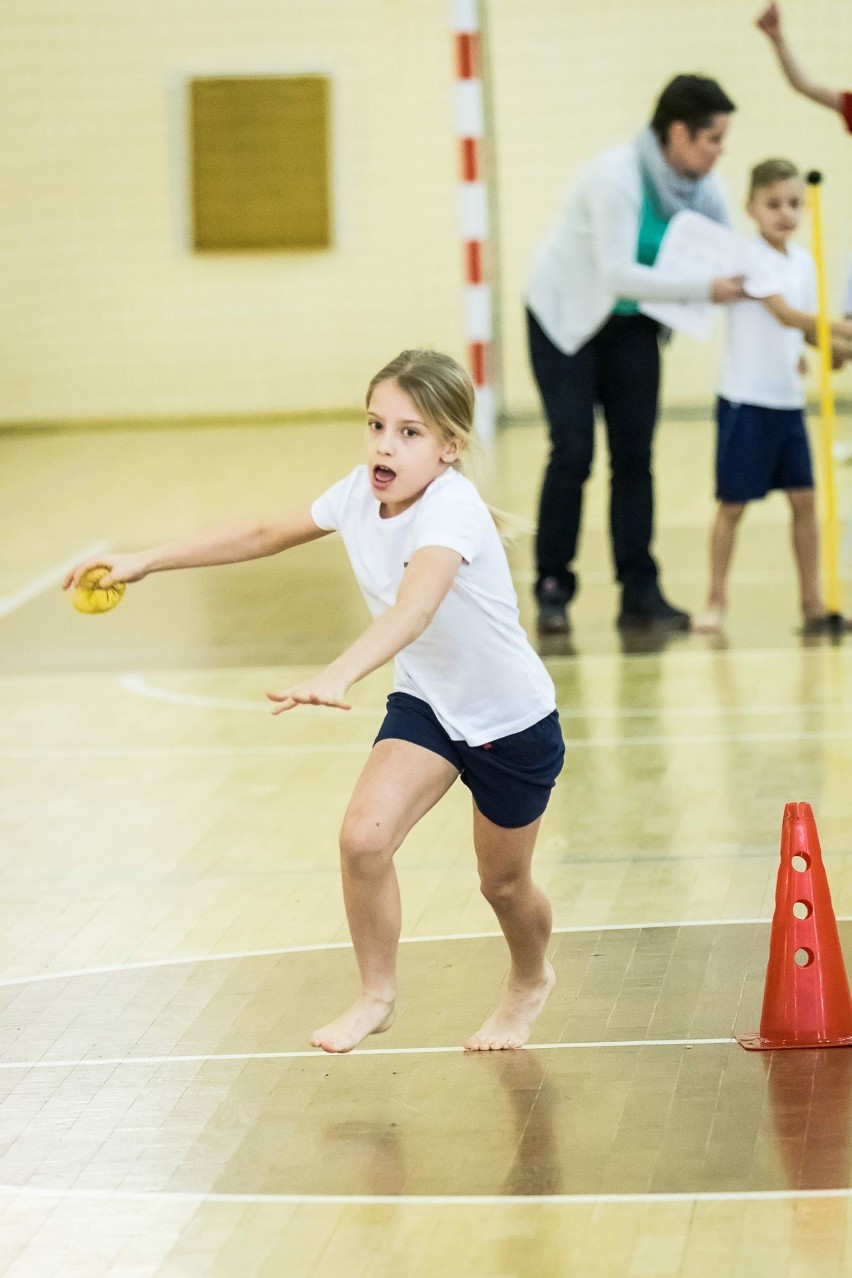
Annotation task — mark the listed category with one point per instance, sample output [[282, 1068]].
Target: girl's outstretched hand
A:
[[323, 690], [120, 568]]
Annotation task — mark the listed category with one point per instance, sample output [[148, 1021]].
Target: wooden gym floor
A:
[[172, 925]]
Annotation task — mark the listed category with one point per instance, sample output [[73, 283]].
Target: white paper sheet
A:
[[696, 245]]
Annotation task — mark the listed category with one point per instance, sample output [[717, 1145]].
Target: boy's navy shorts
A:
[[759, 449], [510, 779]]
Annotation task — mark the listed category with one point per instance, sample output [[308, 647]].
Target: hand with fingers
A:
[[99, 584], [324, 689], [728, 288], [119, 569], [841, 353]]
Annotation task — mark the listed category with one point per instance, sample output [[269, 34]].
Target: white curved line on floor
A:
[[422, 1200], [236, 955], [48, 579], [202, 1058], [139, 685]]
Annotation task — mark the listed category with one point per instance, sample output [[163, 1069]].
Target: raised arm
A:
[[230, 544], [769, 23], [425, 583]]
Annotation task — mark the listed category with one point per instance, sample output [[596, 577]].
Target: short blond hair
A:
[[768, 172]]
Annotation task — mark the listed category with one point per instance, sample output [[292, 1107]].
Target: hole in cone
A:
[[803, 957], [802, 909], [800, 862]]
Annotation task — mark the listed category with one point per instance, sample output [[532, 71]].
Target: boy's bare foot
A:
[[365, 1016], [709, 622], [511, 1023]]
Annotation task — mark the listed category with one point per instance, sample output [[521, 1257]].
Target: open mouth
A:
[[382, 476]]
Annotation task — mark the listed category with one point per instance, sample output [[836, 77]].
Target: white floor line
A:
[[231, 956], [526, 576], [694, 650], [709, 738], [180, 752], [140, 685], [202, 1058], [50, 754], [690, 653], [48, 579], [422, 1200], [700, 712]]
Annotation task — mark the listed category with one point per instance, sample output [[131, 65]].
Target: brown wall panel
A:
[[260, 162]]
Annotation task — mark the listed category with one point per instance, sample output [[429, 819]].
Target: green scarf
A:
[[652, 228]]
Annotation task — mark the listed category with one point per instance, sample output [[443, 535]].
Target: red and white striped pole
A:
[[470, 129]]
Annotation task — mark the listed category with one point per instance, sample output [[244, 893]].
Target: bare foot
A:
[[709, 622], [511, 1023], [365, 1016]]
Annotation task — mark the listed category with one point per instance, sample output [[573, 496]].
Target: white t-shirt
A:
[[473, 664], [760, 365]]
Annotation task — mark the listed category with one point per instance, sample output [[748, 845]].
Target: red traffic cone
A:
[[806, 1000]]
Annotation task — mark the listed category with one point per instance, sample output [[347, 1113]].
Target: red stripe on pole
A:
[[469, 159], [473, 262], [476, 353], [467, 55]]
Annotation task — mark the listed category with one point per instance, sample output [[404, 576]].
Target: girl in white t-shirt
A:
[[471, 699]]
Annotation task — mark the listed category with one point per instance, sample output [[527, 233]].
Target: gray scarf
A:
[[669, 191]]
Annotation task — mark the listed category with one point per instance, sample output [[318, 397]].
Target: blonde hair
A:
[[440, 389], [768, 172], [443, 394]]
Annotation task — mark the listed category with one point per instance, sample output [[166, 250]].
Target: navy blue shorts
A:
[[510, 779], [759, 449]]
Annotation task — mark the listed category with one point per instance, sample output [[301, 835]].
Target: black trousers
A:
[[619, 369]]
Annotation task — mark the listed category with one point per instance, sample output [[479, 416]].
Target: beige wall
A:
[[113, 315], [108, 314]]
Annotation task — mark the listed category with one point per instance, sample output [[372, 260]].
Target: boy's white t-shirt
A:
[[760, 364], [473, 664]]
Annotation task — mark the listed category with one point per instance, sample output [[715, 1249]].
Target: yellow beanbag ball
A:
[[90, 598]]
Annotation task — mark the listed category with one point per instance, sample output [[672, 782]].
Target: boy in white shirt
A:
[[762, 439]]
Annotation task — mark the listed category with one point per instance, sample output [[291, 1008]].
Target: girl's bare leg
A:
[[805, 538], [523, 912], [722, 538], [399, 784]]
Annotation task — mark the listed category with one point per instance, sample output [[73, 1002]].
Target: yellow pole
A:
[[830, 524]]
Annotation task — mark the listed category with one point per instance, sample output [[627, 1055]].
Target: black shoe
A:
[[652, 613], [552, 608], [832, 623]]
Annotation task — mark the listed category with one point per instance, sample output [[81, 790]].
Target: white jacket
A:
[[588, 260]]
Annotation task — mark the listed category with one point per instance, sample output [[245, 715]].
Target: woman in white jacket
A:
[[590, 344]]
